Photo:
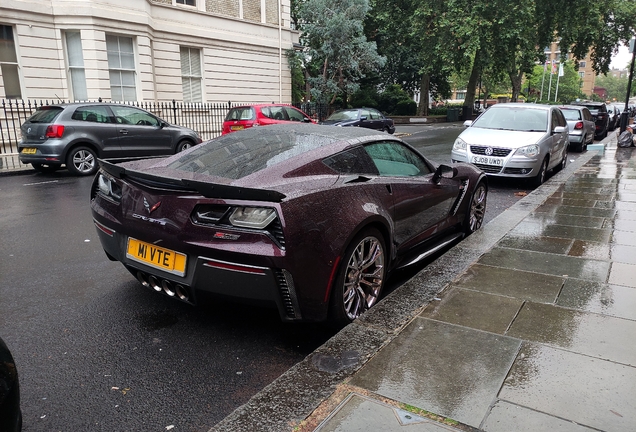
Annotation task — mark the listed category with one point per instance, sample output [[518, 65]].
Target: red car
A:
[[308, 219], [247, 116]]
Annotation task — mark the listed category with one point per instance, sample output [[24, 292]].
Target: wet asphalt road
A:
[[96, 351]]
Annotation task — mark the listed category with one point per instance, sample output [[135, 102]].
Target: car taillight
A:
[[54, 131], [578, 125]]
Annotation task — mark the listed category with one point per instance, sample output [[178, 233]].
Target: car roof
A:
[[521, 105]]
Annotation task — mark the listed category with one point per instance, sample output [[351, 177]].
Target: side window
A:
[[395, 159], [351, 161], [275, 112], [555, 120], [130, 115], [294, 115], [96, 114], [374, 115], [365, 113]]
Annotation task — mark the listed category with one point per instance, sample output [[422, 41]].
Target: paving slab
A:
[[623, 274], [363, 414], [594, 335], [521, 240], [507, 417], [513, 283], [446, 369], [546, 263], [592, 392], [600, 298], [466, 308]]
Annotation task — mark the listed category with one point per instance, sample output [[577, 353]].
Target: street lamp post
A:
[[625, 114]]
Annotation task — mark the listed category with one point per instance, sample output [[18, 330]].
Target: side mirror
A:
[[559, 129], [306, 120], [468, 123], [444, 171], [363, 118]]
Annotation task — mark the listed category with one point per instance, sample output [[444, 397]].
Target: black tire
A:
[[44, 168], [183, 145], [476, 209], [82, 161], [540, 177], [357, 289]]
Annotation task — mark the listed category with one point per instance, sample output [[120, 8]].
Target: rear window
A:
[[235, 155], [45, 114], [241, 113], [571, 114]]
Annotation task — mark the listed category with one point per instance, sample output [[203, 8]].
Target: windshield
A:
[[344, 115], [523, 119]]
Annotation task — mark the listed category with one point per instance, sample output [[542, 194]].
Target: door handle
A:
[[123, 131]]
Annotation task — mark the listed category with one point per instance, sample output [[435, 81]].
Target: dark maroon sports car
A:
[[307, 218]]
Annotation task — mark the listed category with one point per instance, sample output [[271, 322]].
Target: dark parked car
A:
[[581, 126], [614, 114], [10, 415], [77, 134], [247, 116], [600, 114], [362, 117], [306, 218]]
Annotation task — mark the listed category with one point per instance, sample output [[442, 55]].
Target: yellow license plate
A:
[[235, 128], [29, 150], [155, 256]]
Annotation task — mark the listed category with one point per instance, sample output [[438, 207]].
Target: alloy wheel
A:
[[477, 208], [363, 277], [84, 161]]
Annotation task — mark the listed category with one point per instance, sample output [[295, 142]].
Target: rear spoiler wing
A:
[[208, 190]]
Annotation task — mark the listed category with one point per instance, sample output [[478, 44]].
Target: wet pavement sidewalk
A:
[[527, 325]]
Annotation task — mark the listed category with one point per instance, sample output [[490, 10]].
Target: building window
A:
[[581, 74], [9, 64], [582, 64], [121, 68], [191, 74], [76, 65], [187, 2], [460, 95]]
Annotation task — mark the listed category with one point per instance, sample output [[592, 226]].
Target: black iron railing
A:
[[205, 118]]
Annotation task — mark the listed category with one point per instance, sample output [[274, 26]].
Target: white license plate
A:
[[485, 160]]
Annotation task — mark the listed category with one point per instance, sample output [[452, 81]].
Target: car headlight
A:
[[459, 145], [252, 217], [108, 188], [529, 151]]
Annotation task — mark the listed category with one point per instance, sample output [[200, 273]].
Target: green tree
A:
[[336, 47]]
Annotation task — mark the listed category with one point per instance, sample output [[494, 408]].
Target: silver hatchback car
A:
[[581, 126], [515, 140], [77, 134]]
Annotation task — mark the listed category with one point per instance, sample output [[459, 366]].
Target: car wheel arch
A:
[[81, 143], [377, 223]]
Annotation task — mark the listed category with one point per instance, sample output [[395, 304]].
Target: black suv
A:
[[77, 134], [600, 115]]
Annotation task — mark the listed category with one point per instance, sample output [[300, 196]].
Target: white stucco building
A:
[[146, 50]]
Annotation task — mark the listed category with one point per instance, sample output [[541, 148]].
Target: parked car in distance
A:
[[614, 114], [77, 134], [581, 126], [518, 140], [361, 117], [600, 114], [247, 116], [305, 218], [10, 414]]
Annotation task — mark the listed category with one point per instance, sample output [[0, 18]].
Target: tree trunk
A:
[[515, 79], [422, 109], [469, 102]]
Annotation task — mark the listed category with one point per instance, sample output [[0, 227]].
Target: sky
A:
[[622, 59]]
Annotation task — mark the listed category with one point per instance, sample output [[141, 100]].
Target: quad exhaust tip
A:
[[163, 285]]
